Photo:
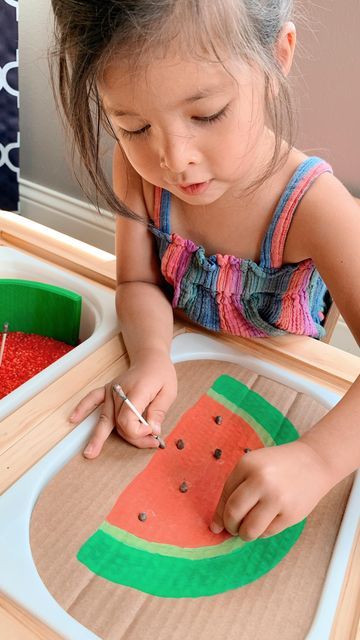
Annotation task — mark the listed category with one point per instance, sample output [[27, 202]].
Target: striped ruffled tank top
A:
[[239, 296]]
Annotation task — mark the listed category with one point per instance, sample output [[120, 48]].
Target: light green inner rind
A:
[[232, 544], [173, 577]]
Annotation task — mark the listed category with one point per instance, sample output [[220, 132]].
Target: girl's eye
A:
[[214, 117], [203, 119], [138, 132]]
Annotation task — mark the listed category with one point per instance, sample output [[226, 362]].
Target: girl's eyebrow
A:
[[202, 93], [118, 112], [205, 93]]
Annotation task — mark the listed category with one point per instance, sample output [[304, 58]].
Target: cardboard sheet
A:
[[280, 604]]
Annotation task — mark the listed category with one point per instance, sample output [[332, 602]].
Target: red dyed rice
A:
[[25, 355]]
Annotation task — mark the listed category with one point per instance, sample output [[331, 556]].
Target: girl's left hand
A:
[[271, 489]]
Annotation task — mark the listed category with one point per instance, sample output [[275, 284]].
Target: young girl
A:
[[220, 217]]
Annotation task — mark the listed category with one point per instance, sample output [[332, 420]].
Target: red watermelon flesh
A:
[[183, 518]]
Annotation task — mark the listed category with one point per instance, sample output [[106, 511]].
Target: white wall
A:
[[43, 156], [48, 186], [327, 78]]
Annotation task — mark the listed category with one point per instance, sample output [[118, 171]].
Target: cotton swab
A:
[[3, 340], [119, 391]]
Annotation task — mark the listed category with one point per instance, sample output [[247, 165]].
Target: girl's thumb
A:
[[155, 418], [156, 413], [157, 409]]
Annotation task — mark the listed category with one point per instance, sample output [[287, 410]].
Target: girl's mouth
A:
[[194, 189]]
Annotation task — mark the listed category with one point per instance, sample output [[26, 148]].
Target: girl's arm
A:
[[330, 227], [144, 312], [146, 321], [273, 488]]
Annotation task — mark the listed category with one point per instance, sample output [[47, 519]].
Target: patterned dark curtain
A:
[[9, 106]]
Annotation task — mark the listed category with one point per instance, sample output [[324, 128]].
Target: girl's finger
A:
[[103, 428], [88, 404], [257, 520], [235, 478], [277, 525], [242, 500]]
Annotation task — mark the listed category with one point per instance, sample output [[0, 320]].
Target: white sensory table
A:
[[31, 452]]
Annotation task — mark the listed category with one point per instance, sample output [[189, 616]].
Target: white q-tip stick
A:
[[119, 391], [3, 340]]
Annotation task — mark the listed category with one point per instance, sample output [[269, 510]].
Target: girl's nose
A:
[[177, 154]]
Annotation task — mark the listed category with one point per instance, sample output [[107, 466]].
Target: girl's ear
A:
[[285, 46]]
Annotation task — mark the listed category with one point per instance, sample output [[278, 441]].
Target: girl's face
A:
[[189, 126]]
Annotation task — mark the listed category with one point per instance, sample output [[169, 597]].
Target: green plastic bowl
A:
[[37, 307]]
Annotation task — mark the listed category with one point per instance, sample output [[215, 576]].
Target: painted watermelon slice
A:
[[173, 553]]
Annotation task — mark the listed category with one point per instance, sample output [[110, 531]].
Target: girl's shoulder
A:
[[326, 228], [324, 208]]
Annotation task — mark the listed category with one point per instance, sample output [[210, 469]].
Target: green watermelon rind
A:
[[170, 571], [173, 577]]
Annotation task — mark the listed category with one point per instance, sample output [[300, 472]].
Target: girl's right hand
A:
[[151, 385]]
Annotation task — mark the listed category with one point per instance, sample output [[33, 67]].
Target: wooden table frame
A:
[[30, 437]]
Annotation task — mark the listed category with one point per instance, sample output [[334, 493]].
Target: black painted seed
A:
[[183, 487], [217, 454], [180, 444], [218, 419], [142, 516], [247, 450]]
